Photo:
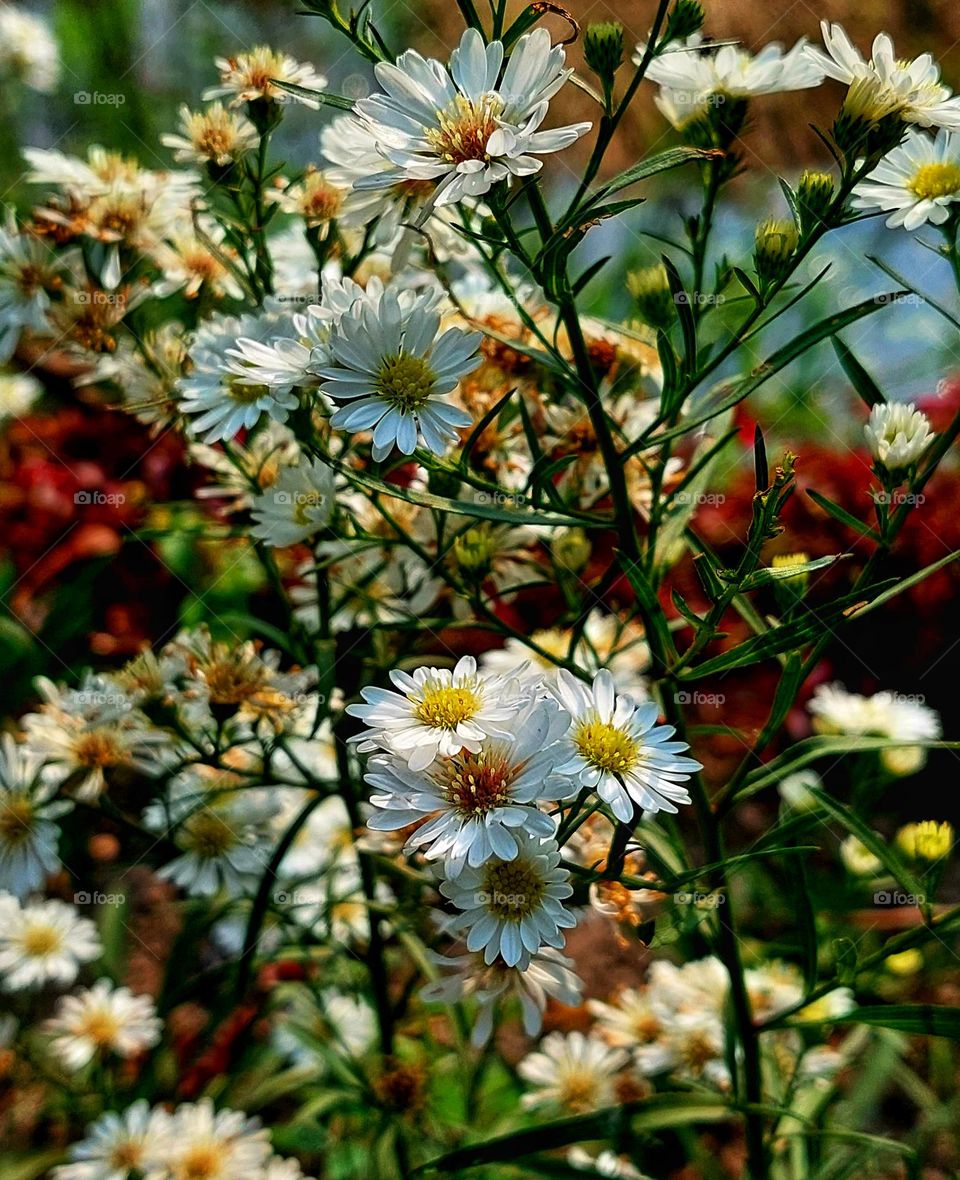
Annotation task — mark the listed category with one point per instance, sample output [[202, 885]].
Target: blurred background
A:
[[91, 578]]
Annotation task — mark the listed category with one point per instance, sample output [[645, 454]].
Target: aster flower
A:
[[219, 830], [29, 832], [885, 714], [102, 1019], [296, 506], [215, 1144], [28, 51], [29, 273], [221, 389], [546, 975], [250, 76], [513, 908], [631, 1019], [475, 802], [616, 748], [917, 182], [695, 77], [437, 713], [215, 136], [910, 89], [118, 1146], [316, 199], [470, 126], [858, 860], [395, 371], [43, 942], [572, 1072], [898, 436]]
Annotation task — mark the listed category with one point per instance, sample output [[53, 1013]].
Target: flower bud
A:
[[790, 587], [473, 552], [857, 858], [927, 840], [650, 287], [571, 549], [603, 48], [814, 196], [869, 123], [685, 19], [774, 246], [897, 435]]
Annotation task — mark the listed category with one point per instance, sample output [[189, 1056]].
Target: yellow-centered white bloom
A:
[[437, 712], [43, 942], [28, 52], [215, 135], [572, 1072], [118, 1146], [917, 182], [250, 76], [101, 1020], [910, 89], [616, 748]]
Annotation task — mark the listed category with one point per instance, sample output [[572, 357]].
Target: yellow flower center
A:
[[98, 748], [605, 746], [935, 180], [578, 1091], [16, 818], [126, 1156], [305, 502], [476, 783], [100, 1026], [464, 128], [40, 941], [406, 381], [513, 889], [214, 140], [246, 395], [201, 1162], [207, 834], [445, 706], [321, 200]]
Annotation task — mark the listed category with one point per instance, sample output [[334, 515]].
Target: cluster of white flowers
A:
[[28, 51], [195, 1139], [475, 764]]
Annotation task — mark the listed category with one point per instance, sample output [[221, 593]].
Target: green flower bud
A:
[[603, 48], [685, 19], [650, 287], [571, 549], [774, 246], [814, 196], [473, 552], [869, 123]]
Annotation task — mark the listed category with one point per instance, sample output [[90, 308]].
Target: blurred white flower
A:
[[43, 942], [572, 1072], [28, 51], [29, 811], [102, 1019], [296, 506], [119, 1145], [251, 76], [215, 135]]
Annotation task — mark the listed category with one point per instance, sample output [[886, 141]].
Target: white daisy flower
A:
[[631, 1019], [513, 908], [572, 1072], [215, 1144], [119, 1146], [911, 89], [898, 435], [475, 803], [258, 461], [691, 1045], [220, 831], [222, 390], [546, 975], [470, 126], [917, 182], [43, 942], [616, 748], [438, 712], [190, 264], [250, 76], [29, 271], [18, 392], [215, 135], [695, 77], [28, 51], [83, 735], [391, 365], [29, 832], [102, 1019], [885, 714], [297, 506]]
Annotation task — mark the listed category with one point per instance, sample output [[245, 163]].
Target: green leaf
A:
[[768, 574], [857, 375], [932, 1020], [657, 1113], [905, 584], [843, 516], [323, 97]]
